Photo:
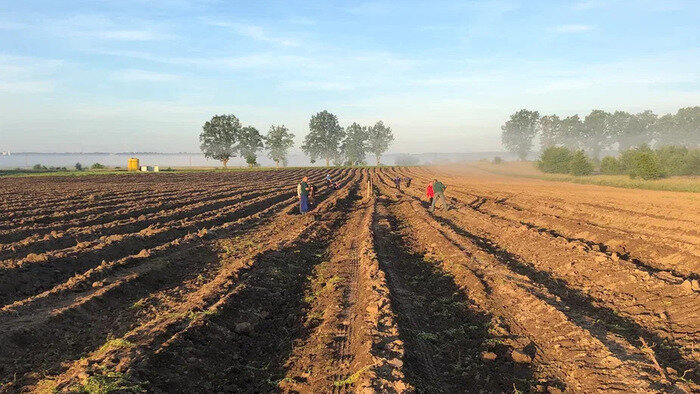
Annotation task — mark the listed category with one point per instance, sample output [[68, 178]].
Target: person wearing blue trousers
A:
[[303, 193]]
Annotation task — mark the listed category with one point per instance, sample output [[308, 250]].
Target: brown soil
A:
[[214, 283]]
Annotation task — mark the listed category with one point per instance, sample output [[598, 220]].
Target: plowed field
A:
[[213, 282]]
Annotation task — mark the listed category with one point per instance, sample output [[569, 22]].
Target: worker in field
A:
[[408, 181], [397, 182], [303, 193], [329, 182], [312, 193], [439, 190], [429, 194]]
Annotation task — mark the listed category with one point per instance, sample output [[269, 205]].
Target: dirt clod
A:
[[488, 356], [520, 357], [695, 285], [244, 328], [687, 286]]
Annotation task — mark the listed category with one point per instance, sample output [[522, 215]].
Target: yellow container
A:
[[133, 164]]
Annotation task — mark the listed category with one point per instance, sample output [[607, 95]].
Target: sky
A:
[[130, 75]]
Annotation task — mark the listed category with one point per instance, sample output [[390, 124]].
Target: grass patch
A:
[[115, 343], [426, 336], [351, 379], [108, 382], [332, 281], [138, 304], [314, 318], [528, 170], [46, 386]]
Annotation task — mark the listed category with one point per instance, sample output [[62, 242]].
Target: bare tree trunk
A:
[[224, 162], [328, 162], [277, 163], [378, 157]]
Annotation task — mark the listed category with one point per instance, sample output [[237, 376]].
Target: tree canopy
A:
[[597, 131], [249, 143], [278, 141], [379, 137], [519, 131], [619, 130], [550, 131], [354, 146], [324, 138], [570, 133], [219, 136], [687, 122]]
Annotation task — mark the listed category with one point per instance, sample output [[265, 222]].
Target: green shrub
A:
[[39, 167], [672, 159], [497, 160], [555, 160], [98, 166], [78, 166], [628, 159], [580, 164], [647, 166], [679, 160], [610, 166], [692, 163]]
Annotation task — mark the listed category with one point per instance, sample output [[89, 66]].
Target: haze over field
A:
[[144, 76]]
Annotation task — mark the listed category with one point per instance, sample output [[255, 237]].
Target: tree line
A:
[[641, 161], [224, 137], [601, 130]]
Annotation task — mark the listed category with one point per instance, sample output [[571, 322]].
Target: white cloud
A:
[[301, 20], [573, 28], [144, 76], [589, 4], [318, 85], [104, 28], [12, 25], [25, 86], [22, 74], [130, 35], [255, 32]]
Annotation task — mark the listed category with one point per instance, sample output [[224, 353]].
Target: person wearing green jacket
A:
[[439, 190], [303, 194]]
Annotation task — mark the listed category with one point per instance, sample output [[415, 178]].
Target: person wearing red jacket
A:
[[430, 194]]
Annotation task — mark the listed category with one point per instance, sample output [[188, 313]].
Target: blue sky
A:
[[134, 75]]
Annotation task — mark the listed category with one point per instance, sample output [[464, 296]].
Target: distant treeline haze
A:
[[601, 130]]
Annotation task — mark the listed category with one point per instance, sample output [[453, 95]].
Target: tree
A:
[[555, 159], [219, 137], [249, 143], [519, 131], [688, 127], [647, 166], [380, 137], [579, 164], [646, 120], [664, 130], [628, 129], [597, 132], [610, 166], [571, 132], [354, 146], [324, 137], [550, 131], [278, 141]]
